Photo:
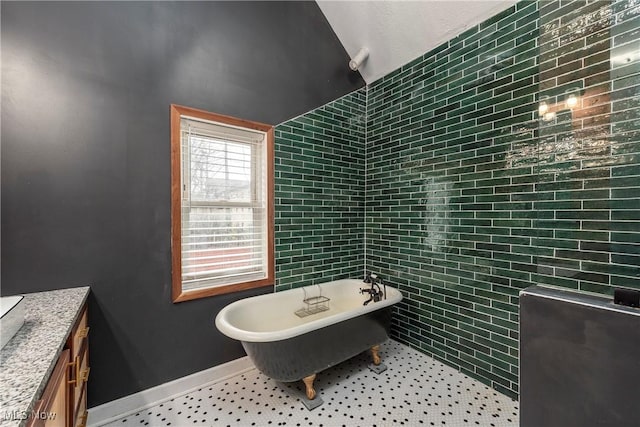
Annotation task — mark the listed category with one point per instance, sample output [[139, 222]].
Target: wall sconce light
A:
[[360, 57], [571, 101], [549, 107], [543, 108], [572, 98]]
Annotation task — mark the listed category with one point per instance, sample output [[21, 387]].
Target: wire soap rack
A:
[[314, 304]]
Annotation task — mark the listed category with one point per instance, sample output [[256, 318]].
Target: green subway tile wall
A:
[[589, 155], [506, 157], [473, 192], [319, 186]]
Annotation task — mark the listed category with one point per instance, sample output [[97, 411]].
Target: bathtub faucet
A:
[[375, 293]]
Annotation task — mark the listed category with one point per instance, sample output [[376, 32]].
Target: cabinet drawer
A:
[[79, 334]]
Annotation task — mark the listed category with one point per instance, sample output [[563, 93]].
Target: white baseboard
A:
[[134, 403]]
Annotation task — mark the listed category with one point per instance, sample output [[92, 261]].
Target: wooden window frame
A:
[[177, 293]]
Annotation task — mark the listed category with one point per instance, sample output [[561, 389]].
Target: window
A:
[[221, 204]]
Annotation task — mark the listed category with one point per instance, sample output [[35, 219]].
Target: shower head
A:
[[360, 57]]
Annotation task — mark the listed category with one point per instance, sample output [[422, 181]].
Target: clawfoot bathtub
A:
[[288, 348]]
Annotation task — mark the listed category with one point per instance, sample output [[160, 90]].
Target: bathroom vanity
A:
[[44, 368]]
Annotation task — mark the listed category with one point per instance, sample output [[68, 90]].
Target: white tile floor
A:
[[414, 390]]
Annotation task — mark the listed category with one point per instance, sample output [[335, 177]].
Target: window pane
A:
[[221, 243], [220, 170]]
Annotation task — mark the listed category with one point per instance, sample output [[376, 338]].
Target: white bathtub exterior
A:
[[271, 317]]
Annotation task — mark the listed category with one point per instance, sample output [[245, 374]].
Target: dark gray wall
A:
[[86, 89]]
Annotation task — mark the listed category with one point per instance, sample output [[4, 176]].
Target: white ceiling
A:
[[396, 31]]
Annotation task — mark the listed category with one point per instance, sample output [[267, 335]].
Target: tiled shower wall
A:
[[474, 193], [587, 192], [481, 178], [319, 186]]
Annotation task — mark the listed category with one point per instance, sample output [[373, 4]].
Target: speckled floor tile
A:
[[414, 390]]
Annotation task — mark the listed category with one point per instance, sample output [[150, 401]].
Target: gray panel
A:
[[86, 89], [579, 360]]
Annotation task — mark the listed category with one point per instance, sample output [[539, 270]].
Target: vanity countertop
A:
[[26, 362]]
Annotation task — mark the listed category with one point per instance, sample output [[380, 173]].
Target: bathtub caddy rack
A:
[[313, 305]]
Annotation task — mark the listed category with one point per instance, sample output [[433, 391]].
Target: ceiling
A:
[[396, 32]]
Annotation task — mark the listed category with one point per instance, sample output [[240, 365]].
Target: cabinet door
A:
[[81, 412], [78, 343], [53, 409], [78, 386], [79, 334]]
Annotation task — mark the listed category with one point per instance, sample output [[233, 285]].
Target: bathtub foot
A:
[[374, 354], [308, 382]]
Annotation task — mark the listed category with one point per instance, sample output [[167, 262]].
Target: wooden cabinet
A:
[[64, 400], [78, 344], [52, 410]]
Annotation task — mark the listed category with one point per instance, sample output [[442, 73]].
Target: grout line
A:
[[320, 107], [366, 164]]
